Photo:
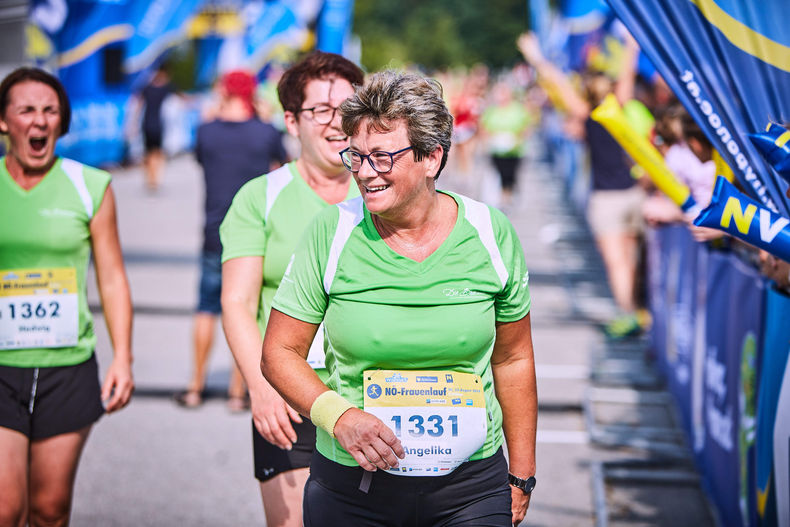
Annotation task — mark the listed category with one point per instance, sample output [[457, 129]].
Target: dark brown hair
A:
[[692, 130], [316, 65], [25, 74], [669, 123]]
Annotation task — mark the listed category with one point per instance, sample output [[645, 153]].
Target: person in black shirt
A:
[[152, 98], [232, 149], [614, 210]]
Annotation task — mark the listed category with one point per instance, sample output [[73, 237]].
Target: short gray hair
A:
[[390, 96]]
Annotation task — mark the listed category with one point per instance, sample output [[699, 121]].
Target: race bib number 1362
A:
[[38, 308]]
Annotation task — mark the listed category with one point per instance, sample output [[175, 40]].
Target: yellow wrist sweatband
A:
[[327, 409]]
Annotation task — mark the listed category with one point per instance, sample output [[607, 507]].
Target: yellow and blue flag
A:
[[728, 61]]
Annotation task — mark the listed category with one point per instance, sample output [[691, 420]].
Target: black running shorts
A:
[[475, 494], [45, 402], [271, 460]]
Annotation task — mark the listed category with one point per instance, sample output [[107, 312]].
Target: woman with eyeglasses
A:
[[54, 213], [259, 234], [424, 304]]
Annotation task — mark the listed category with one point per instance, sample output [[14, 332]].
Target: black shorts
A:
[[152, 139], [271, 460], [45, 402], [475, 494], [507, 168]]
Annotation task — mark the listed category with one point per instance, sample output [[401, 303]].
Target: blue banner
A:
[[657, 263], [96, 134], [677, 267], [733, 330], [104, 50], [158, 25], [728, 62], [539, 18], [781, 445], [585, 23], [776, 346], [276, 24], [99, 50], [79, 31], [681, 306], [584, 16], [334, 25]]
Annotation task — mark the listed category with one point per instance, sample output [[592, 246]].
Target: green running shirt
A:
[[267, 218], [382, 310], [48, 227], [506, 127]]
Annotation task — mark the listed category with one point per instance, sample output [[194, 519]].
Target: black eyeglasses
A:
[[321, 113], [379, 161]]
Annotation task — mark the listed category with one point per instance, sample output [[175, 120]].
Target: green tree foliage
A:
[[439, 33]]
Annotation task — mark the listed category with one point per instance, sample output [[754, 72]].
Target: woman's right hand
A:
[[272, 417], [372, 444]]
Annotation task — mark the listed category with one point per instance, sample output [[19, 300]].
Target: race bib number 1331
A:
[[439, 416]]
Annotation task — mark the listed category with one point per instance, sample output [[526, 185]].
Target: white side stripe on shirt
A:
[[479, 216], [351, 213], [275, 182], [73, 170]]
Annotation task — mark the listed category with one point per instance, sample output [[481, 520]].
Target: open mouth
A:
[[371, 190], [38, 144]]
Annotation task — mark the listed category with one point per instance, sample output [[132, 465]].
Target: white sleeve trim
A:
[[479, 216], [73, 170], [351, 214], [275, 183]]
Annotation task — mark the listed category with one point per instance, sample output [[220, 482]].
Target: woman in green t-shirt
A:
[[54, 212], [424, 300], [259, 233]]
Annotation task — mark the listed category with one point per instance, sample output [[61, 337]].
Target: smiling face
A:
[[408, 186], [321, 143], [32, 122]]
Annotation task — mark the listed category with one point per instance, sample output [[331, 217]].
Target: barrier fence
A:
[[721, 335]]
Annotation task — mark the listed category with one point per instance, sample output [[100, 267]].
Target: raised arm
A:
[[241, 285], [116, 303], [624, 86], [513, 366], [575, 104]]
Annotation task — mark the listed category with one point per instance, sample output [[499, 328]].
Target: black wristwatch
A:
[[526, 485]]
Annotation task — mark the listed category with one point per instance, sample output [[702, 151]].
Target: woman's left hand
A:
[[118, 385], [518, 505]]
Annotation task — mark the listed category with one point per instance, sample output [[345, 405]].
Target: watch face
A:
[[530, 484]]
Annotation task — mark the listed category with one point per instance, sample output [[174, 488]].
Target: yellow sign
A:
[[23, 282], [423, 388]]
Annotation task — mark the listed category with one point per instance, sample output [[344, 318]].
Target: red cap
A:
[[240, 83]]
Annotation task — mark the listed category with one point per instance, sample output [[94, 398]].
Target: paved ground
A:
[[155, 464]]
